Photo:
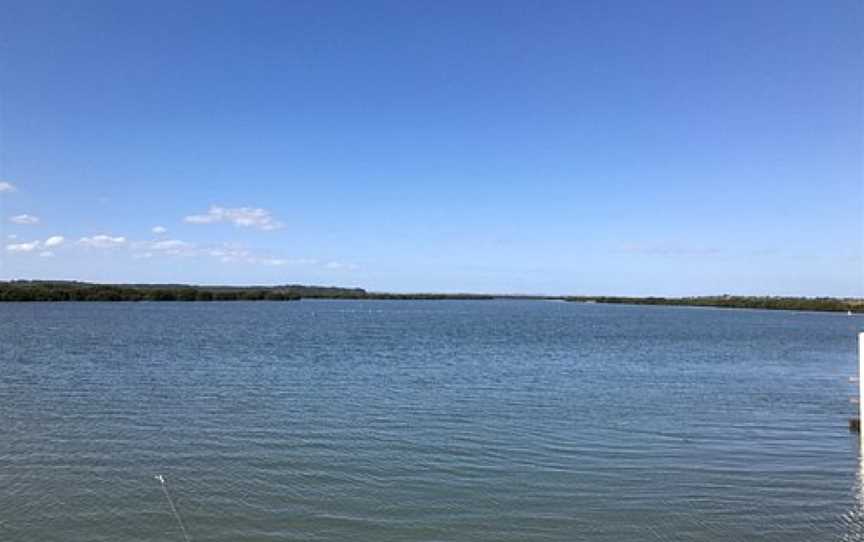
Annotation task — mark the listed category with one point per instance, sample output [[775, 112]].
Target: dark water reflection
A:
[[496, 420]]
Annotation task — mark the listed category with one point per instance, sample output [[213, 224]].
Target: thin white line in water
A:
[[173, 508]]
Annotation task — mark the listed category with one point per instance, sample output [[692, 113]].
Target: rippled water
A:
[[426, 420]]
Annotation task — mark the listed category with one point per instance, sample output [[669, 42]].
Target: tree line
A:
[[737, 302], [75, 291], [24, 290]]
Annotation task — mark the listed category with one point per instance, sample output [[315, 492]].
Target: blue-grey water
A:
[[426, 421]]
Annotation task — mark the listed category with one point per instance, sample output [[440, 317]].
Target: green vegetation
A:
[[82, 291], [26, 290], [738, 302]]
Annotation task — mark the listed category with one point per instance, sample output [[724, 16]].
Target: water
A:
[[426, 420]]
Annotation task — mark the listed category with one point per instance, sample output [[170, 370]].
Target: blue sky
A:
[[667, 148]]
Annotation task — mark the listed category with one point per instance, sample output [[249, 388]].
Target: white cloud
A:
[[6, 187], [230, 254], [24, 219], [246, 217], [280, 261], [273, 261], [54, 241], [46, 254], [159, 230], [172, 246], [225, 253], [23, 247], [102, 241], [33, 246], [12, 236], [238, 254], [176, 247]]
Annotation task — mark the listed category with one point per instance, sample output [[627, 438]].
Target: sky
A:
[[590, 147]]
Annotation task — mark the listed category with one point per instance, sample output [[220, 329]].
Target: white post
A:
[[861, 380]]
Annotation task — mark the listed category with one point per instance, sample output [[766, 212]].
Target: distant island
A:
[[46, 290]]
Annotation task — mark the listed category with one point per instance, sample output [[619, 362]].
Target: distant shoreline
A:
[[819, 304], [60, 291]]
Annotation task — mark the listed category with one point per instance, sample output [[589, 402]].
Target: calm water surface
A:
[[432, 421]]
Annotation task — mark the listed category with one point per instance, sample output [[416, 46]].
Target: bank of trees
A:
[[79, 291], [739, 302], [82, 291], [24, 290]]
